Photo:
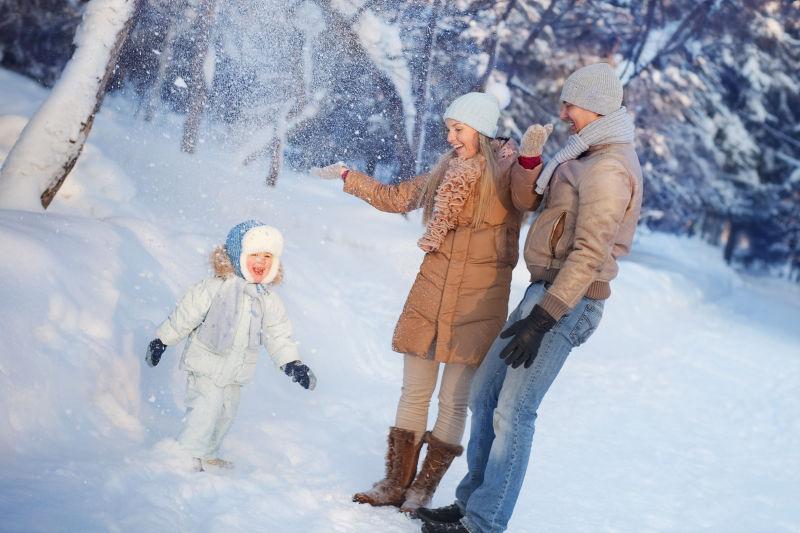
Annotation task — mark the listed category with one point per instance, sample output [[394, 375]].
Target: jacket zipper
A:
[[553, 240]]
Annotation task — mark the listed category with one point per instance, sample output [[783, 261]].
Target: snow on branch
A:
[[382, 42], [51, 142]]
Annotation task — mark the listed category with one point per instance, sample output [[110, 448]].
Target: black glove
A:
[[154, 351], [528, 334], [301, 374]]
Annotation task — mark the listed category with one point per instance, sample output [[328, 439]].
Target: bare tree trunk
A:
[[366, 6], [49, 146], [731, 243], [689, 27], [292, 114], [276, 159], [280, 129], [153, 94], [86, 126], [549, 17], [643, 36], [394, 103], [297, 109], [198, 93], [421, 96], [493, 48]]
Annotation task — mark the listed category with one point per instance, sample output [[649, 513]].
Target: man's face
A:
[[577, 117]]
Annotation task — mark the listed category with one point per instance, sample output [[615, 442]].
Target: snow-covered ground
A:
[[681, 414]]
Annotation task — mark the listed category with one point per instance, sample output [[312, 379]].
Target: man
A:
[[588, 220]]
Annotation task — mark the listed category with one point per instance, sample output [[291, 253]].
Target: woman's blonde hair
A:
[[486, 184]]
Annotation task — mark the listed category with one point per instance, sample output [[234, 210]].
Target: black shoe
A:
[[440, 527], [444, 515]]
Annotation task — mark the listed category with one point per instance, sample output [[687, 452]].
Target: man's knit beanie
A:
[[480, 111], [594, 87]]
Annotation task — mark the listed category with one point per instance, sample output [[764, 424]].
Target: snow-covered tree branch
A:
[[50, 144]]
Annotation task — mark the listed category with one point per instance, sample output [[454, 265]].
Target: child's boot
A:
[[438, 459], [401, 466]]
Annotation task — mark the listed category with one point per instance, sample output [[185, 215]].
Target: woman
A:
[[459, 300]]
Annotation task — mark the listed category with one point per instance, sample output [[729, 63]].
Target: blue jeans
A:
[[504, 402]]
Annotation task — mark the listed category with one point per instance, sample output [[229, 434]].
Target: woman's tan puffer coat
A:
[[459, 300]]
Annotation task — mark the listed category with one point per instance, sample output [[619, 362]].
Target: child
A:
[[227, 318]]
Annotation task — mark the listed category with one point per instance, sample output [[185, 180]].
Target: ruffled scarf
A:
[[454, 191], [451, 197]]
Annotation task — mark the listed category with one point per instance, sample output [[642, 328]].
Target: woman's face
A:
[[462, 138], [258, 265]]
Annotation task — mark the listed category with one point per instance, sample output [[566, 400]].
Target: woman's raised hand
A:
[[331, 172], [534, 139]]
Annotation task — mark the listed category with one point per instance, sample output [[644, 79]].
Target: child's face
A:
[[259, 264]]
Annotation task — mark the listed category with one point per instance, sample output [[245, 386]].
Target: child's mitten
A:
[[301, 374], [154, 351]]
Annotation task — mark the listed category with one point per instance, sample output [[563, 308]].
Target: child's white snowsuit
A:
[[214, 379]]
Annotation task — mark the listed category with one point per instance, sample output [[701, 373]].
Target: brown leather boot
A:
[[438, 459], [401, 466]]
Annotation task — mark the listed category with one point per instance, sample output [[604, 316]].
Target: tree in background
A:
[[51, 142], [36, 36], [201, 68], [713, 86], [714, 89]]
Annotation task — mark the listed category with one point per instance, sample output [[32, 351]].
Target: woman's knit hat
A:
[[594, 87], [249, 237], [477, 110]]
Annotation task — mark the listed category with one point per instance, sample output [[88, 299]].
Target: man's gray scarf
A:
[[616, 128], [219, 326]]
